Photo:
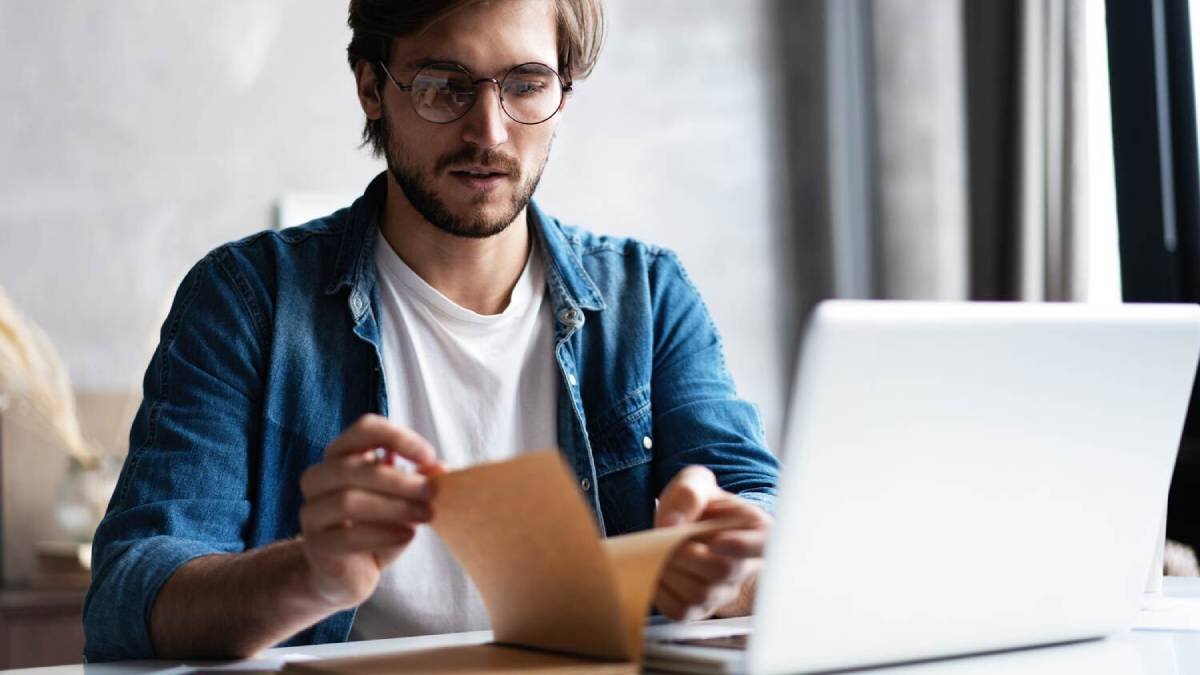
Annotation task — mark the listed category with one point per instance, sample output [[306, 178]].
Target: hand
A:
[[360, 513], [1179, 560], [715, 572]]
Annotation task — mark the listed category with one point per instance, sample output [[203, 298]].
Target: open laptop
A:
[[961, 478]]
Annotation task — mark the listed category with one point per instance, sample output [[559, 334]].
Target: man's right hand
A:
[[359, 513]]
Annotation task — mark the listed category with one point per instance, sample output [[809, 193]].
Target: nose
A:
[[486, 124]]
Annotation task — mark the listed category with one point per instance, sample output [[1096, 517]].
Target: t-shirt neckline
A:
[[530, 287]]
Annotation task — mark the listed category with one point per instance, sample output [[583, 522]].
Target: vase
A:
[[83, 496]]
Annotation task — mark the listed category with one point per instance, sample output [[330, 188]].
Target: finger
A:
[[359, 539], [734, 507], [374, 431], [699, 600], [432, 470], [739, 543], [360, 506], [686, 586], [386, 556], [686, 496], [354, 471], [697, 559], [669, 604]]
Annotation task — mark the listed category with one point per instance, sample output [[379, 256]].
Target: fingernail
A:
[[672, 519]]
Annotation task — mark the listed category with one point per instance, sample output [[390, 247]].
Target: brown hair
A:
[[373, 24]]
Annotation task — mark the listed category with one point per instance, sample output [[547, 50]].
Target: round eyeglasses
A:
[[530, 93]]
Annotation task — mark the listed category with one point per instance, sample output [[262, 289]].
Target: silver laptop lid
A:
[[962, 477]]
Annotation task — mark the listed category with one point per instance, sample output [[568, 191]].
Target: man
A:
[[444, 319]]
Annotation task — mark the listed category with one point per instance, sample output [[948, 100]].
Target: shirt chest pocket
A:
[[623, 448], [623, 436]]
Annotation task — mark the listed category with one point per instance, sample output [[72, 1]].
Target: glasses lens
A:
[[442, 93], [531, 93]]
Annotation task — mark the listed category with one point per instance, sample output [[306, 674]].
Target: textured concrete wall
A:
[[674, 139], [135, 135]]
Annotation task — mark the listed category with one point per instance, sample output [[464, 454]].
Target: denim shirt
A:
[[272, 348]]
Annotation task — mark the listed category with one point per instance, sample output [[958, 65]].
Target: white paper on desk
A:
[[262, 664], [1168, 613]]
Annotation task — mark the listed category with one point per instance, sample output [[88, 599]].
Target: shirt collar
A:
[[354, 266], [570, 284]]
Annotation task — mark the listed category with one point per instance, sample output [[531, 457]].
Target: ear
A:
[[369, 90]]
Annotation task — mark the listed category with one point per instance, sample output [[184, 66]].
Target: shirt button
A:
[[571, 379], [571, 317], [647, 443], [585, 484]]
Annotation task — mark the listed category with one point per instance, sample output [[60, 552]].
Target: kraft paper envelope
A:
[[523, 533]]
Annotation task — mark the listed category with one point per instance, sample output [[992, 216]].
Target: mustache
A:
[[492, 159]]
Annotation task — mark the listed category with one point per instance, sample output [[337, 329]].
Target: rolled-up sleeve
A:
[[699, 418], [183, 491]]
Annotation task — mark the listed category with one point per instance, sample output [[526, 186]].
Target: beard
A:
[[417, 186]]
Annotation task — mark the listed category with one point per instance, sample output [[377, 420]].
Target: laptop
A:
[[960, 478]]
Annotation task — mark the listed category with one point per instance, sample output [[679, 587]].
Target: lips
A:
[[479, 177], [479, 171]]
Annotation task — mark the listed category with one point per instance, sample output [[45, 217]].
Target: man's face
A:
[[437, 166]]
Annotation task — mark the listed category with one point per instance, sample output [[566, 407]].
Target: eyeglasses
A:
[[530, 93]]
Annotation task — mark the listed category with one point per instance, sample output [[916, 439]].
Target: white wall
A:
[[135, 135]]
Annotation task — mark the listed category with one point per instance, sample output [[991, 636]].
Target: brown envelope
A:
[[521, 529]]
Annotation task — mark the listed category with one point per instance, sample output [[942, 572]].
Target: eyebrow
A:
[[428, 61], [417, 64]]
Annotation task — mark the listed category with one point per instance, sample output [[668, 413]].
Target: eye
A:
[[524, 87], [443, 85], [458, 85]]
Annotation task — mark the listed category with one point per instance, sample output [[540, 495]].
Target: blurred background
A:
[[788, 150]]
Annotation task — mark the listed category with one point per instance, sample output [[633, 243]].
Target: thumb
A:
[[686, 496]]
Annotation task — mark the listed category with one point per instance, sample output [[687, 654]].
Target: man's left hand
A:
[[715, 573]]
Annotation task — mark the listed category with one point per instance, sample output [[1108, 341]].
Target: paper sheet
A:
[[463, 661], [1168, 613], [244, 667], [522, 531]]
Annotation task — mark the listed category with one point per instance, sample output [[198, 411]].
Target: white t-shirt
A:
[[478, 388]]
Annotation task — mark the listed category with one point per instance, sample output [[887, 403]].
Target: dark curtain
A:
[[1158, 192]]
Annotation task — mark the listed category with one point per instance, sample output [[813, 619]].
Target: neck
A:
[[477, 274]]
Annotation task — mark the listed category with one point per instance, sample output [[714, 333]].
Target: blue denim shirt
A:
[[272, 347]]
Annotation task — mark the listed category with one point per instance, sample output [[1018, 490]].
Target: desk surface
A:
[[1135, 653]]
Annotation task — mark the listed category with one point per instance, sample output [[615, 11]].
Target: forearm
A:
[[235, 605]]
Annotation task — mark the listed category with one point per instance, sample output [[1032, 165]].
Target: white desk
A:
[[1136, 653]]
